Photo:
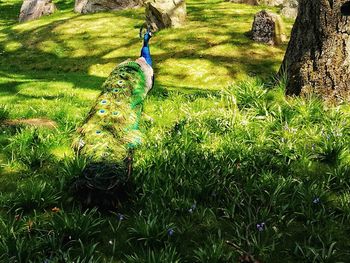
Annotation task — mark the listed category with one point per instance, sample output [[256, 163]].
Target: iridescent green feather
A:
[[111, 128]]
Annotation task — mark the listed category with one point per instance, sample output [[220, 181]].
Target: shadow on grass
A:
[[9, 12], [65, 4], [63, 61], [10, 9]]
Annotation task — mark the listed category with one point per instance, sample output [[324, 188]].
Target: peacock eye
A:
[[115, 90], [120, 82], [115, 113], [98, 132], [123, 74], [102, 111], [103, 102]]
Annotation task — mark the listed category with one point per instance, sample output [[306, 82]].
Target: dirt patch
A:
[[37, 122]]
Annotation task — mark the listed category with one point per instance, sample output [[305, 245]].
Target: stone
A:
[[268, 28], [34, 9], [289, 12], [94, 6], [271, 2], [290, 8], [248, 2], [162, 14], [258, 2]]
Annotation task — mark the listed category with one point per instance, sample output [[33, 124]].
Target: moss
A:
[[280, 30]]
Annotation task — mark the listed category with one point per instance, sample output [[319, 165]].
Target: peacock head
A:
[[147, 34]]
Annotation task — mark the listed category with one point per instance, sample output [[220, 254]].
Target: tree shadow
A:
[[9, 12], [70, 59], [64, 4]]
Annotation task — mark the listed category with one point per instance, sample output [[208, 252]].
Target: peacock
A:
[[110, 132]]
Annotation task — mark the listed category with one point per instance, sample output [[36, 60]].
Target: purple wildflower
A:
[[193, 207], [170, 232], [120, 217], [261, 226], [316, 200]]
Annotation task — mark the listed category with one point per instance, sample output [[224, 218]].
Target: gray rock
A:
[[271, 2], [94, 6], [291, 3], [258, 2], [289, 12], [268, 28], [34, 9], [290, 8], [248, 2], [162, 14]]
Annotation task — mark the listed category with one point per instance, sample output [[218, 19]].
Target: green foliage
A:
[[150, 230], [31, 147], [55, 237], [215, 251], [32, 194], [262, 171], [238, 163], [75, 225], [150, 256], [4, 113]]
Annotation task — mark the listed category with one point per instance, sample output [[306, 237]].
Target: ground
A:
[[225, 156]]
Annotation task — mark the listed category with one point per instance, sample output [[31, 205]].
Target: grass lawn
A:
[[226, 158]]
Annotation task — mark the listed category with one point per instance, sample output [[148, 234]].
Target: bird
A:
[[110, 132]]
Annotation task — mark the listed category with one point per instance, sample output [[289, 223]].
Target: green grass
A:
[[222, 150]]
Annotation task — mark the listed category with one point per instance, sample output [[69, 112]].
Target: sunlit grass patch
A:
[[209, 38]]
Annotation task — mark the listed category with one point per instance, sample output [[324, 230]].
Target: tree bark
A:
[[317, 59]]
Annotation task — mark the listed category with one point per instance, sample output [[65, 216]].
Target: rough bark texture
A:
[[318, 55]]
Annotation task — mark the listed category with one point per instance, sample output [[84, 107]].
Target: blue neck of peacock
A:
[[146, 53]]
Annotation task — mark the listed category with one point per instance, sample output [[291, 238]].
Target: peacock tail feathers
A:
[[111, 129]]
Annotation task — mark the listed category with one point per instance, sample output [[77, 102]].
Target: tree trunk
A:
[[317, 59]]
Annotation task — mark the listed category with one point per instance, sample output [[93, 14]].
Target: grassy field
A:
[[226, 158]]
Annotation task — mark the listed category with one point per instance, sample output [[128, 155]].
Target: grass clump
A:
[[264, 172], [30, 147], [4, 114], [225, 159]]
